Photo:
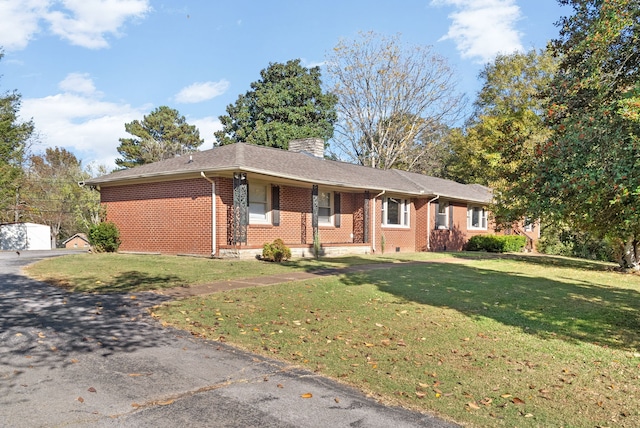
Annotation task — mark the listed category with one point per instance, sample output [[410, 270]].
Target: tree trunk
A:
[[630, 254]]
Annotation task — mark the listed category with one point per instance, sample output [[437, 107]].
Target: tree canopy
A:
[[497, 146], [162, 134], [286, 103], [51, 194], [588, 173], [14, 138], [392, 100]]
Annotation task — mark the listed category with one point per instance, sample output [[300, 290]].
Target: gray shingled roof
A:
[[299, 167]]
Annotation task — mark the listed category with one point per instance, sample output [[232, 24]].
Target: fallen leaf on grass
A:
[[307, 395], [517, 400], [473, 405], [420, 394]]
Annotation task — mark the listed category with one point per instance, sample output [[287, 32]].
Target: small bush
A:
[[276, 251], [104, 237], [497, 243]]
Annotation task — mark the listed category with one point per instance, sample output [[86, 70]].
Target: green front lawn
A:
[[481, 339], [531, 342]]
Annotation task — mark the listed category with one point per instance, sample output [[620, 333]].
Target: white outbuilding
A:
[[25, 236]]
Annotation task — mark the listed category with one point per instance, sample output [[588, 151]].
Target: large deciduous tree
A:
[[14, 137], [497, 147], [51, 192], [286, 103], [162, 134], [392, 99], [588, 173]]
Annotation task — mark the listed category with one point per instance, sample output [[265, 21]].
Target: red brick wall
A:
[[172, 217], [457, 236], [403, 238]]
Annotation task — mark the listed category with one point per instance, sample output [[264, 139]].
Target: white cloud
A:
[[86, 126], [201, 91], [20, 22], [78, 120], [84, 23], [207, 126], [80, 83], [481, 29]]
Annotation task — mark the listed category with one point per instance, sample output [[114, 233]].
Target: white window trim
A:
[[267, 219], [446, 225], [331, 208], [483, 219], [404, 212]]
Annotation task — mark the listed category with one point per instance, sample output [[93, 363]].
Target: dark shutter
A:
[[365, 226], [314, 206], [275, 205], [336, 208], [240, 207]]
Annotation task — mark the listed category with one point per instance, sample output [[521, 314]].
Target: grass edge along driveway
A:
[[485, 341]]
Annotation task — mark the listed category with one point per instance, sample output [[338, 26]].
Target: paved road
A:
[[78, 360]]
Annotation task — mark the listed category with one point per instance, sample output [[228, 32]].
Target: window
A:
[[258, 203], [395, 212], [528, 224], [325, 209], [476, 218], [442, 217]]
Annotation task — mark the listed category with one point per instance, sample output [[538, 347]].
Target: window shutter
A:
[[275, 205], [314, 206], [336, 208]]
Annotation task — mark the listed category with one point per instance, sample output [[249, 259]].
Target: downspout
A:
[[429, 222], [373, 222], [213, 213]]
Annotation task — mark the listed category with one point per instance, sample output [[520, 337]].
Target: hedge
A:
[[497, 243]]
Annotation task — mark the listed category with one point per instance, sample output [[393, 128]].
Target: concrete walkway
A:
[[90, 360]]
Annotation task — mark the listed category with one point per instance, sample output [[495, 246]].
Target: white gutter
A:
[[373, 222], [213, 213], [429, 222]]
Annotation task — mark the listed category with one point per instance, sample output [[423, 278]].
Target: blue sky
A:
[[84, 68]]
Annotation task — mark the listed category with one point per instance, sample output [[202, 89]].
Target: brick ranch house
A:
[[230, 200]]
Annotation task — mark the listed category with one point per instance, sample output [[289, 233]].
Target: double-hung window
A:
[[476, 218], [395, 212], [325, 208], [442, 217], [259, 203]]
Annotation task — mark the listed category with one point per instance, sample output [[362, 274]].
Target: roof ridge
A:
[[405, 176]]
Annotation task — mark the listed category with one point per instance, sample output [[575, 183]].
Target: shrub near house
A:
[[496, 243]]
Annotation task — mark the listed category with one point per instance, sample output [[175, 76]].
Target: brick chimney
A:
[[313, 146]]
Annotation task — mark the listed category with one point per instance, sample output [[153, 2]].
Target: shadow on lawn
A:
[[575, 310], [124, 282]]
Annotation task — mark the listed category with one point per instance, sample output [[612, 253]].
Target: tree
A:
[[287, 103], [162, 134], [498, 143], [14, 137], [588, 173], [391, 98], [51, 191]]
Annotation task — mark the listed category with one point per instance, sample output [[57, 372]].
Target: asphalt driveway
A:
[[100, 360]]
